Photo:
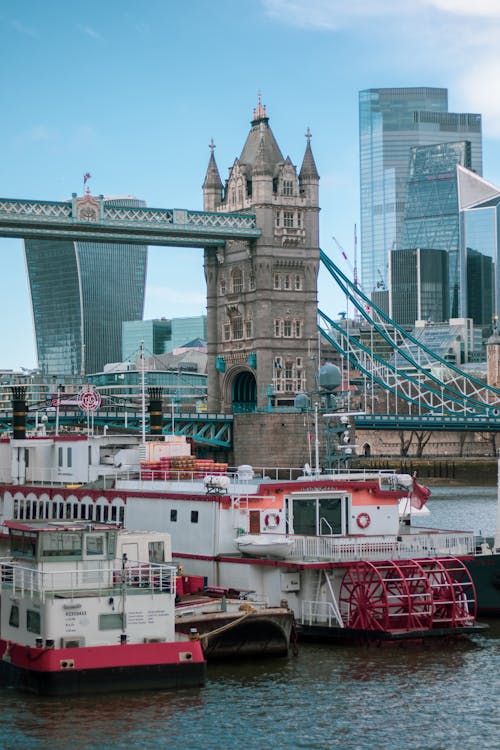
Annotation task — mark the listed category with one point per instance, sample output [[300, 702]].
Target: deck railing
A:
[[417, 544], [135, 578]]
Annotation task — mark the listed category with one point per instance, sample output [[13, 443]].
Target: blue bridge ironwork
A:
[[93, 220]]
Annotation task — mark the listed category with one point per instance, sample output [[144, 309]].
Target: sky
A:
[[134, 92]]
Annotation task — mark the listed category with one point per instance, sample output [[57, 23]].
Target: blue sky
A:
[[133, 92]]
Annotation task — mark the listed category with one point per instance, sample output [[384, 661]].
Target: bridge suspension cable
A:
[[411, 371]]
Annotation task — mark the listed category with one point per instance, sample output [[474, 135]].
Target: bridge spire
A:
[[212, 185]]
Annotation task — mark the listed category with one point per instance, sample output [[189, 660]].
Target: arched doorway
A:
[[244, 393], [367, 451]]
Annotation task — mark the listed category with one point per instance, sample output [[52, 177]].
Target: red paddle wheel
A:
[[407, 595]]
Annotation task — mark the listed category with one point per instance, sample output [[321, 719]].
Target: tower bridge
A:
[[260, 235]]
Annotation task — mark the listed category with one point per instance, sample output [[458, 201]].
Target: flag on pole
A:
[[419, 495], [86, 177]]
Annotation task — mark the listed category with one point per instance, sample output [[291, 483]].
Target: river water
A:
[[436, 696]]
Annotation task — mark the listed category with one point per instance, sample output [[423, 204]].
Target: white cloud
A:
[[39, 133], [91, 32], [22, 29], [336, 14], [452, 41]]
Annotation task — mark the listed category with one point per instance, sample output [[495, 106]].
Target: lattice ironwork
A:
[[38, 209]]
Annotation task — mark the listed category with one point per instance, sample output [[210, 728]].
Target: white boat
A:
[[347, 563], [75, 619], [264, 545]]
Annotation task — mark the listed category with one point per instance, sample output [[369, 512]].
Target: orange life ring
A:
[[363, 520], [272, 520]]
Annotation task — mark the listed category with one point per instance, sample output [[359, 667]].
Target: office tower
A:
[[391, 122], [419, 286], [431, 219], [80, 294], [161, 336], [155, 335], [479, 205]]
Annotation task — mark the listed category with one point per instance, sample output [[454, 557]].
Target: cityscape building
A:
[[479, 206], [391, 122], [154, 334], [160, 336], [81, 292], [431, 222], [419, 286]]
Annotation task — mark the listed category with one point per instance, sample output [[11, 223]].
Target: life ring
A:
[[272, 520], [363, 520]]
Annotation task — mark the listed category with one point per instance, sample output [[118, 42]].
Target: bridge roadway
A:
[[217, 429], [429, 422], [91, 219], [210, 429]]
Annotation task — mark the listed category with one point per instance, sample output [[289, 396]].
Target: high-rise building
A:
[[479, 204], [391, 122], [80, 294], [431, 218], [155, 335], [419, 286], [161, 336]]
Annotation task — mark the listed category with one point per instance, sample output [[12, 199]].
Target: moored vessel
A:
[[334, 548], [78, 615]]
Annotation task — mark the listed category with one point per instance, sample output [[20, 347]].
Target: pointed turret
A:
[[308, 175], [212, 185]]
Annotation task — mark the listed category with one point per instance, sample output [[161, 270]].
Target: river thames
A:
[[435, 696]]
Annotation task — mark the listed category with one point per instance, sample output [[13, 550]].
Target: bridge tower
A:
[[262, 294]]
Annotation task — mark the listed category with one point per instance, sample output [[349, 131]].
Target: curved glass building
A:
[[81, 292]]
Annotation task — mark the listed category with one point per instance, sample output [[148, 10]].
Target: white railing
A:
[[428, 543], [137, 577], [320, 613]]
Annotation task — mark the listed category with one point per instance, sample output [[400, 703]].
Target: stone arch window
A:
[[222, 285], [237, 281], [287, 187], [237, 327]]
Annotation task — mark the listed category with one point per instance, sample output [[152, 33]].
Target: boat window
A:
[[61, 544], [69, 457], [304, 516], [33, 624], [156, 552], [330, 515], [173, 514], [112, 621], [59, 457], [94, 544], [194, 516], [318, 516], [14, 616], [22, 543], [111, 545]]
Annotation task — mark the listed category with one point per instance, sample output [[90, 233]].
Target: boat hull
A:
[[101, 669], [485, 572]]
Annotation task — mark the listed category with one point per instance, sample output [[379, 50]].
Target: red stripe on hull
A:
[[101, 657]]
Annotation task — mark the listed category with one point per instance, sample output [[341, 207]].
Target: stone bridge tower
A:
[[262, 295]]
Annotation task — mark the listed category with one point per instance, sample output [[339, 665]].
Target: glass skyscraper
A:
[[391, 122], [81, 292], [431, 218], [479, 204]]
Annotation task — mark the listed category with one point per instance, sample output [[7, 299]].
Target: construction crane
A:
[[354, 269]]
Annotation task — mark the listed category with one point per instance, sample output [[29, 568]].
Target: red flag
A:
[[419, 495]]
